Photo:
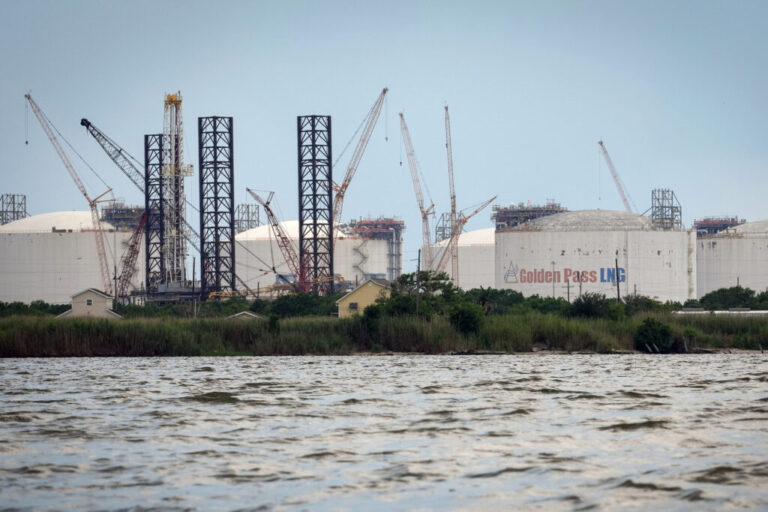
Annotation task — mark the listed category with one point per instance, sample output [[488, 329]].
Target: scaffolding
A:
[[443, 227], [666, 212], [246, 217], [217, 197], [514, 215], [388, 229], [123, 217], [315, 202], [711, 225], [12, 207], [154, 239]]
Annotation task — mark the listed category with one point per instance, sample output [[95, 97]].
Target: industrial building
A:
[[51, 256], [735, 256], [363, 249], [476, 253], [569, 253]]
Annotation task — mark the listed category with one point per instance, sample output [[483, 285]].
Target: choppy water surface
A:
[[546, 432]]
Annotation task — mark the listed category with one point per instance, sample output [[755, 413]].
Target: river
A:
[[401, 432]]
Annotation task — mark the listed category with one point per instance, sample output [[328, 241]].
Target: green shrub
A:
[[466, 318], [652, 336]]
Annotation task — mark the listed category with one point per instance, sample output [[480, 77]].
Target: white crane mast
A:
[[92, 203], [453, 242], [425, 212], [616, 179], [453, 247], [373, 116]]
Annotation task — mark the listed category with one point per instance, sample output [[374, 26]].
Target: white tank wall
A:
[[54, 266], [657, 264], [728, 261], [352, 259], [476, 259]]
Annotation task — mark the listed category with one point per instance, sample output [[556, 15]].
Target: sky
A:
[[676, 90]]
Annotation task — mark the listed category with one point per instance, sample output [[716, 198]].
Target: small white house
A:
[[90, 303]]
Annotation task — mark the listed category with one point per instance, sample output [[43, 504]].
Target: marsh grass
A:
[[31, 336]]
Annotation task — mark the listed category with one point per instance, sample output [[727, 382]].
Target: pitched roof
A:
[[383, 283]]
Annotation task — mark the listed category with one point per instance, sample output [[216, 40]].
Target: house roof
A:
[[383, 283], [94, 290], [246, 315]]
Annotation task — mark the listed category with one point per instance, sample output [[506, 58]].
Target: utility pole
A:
[[618, 293], [418, 283], [553, 279]]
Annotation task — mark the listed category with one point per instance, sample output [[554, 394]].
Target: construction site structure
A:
[[315, 202], [382, 228], [666, 212], [443, 227], [246, 217], [217, 198], [710, 225], [124, 217], [12, 207], [514, 215], [173, 172], [129, 259]]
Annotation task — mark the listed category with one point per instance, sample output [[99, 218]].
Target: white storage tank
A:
[[354, 258], [569, 253], [476, 259], [736, 256], [52, 256]]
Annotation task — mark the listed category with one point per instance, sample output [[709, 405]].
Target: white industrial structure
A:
[[476, 253], [569, 253], [355, 259], [52, 256], [736, 256]]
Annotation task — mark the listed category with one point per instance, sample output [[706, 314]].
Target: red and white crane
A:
[[92, 203], [425, 211], [354, 162], [283, 241], [619, 185]]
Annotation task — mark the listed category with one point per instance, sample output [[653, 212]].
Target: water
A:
[[538, 432]]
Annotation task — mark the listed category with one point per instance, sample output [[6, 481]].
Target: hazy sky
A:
[[677, 90]]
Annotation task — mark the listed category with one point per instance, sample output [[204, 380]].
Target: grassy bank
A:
[[26, 336]]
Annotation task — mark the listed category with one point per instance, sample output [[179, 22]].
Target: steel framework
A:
[[12, 207], [247, 217], [153, 206], [217, 198], [443, 227], [315, 202], [666, 212]]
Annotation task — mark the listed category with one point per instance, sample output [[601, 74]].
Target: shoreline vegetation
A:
[[425, 314]]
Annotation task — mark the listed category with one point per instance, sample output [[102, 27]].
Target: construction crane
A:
[[131, 168], [619, 185], [92, 203], [283, 242], [370, 124], [453, 242], [454, 247], [425, 212], [128, 262]]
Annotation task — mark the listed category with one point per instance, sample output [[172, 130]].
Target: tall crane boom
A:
[[616, 179], [128, 263], [92, 203], [283, 242], [449, 151], [425, 212], [131, 168], [453, 242], [373, 116]]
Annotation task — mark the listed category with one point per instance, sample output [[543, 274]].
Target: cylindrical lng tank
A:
[[737, 256], [601, 251], [475, 254], [259, 261], [52, 256]]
